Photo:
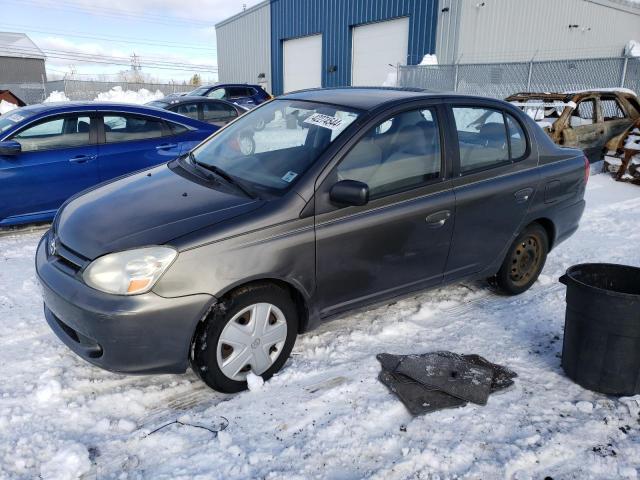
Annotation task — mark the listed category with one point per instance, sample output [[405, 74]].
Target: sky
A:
[[164, 33]]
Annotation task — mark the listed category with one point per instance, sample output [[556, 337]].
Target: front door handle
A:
[[438, 219], [522, 196], [166, 146], [82, 158]]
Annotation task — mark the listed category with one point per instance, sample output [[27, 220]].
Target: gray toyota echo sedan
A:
[[342, 198]]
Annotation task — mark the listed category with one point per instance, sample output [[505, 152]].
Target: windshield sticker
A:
[[15, 118], [324, 121], [289, 176]]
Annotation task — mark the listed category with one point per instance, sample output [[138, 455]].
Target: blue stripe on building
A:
[[334, 19]]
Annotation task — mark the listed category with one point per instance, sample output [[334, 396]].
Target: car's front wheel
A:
[[524, 261], [253, 330]]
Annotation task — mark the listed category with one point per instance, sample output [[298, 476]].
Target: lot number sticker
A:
[[325, 121]]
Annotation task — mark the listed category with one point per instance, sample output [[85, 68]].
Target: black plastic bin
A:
[[601, 349]]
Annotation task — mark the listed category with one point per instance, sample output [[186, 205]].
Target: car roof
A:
[[189, 99], [365, 98], [45, 109], [216, 85]]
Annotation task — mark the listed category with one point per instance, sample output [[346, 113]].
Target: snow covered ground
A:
[[326, 415]]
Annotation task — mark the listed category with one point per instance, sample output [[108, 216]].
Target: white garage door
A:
[[302, 63], [375, 47]]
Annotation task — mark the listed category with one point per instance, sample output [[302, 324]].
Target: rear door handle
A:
[[523, 195], [82, 158], [166, 146], [438, 219]]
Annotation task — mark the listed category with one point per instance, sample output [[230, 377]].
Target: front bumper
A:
[[129, 334]]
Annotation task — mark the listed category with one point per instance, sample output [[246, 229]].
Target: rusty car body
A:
[[586, 119], [623, 155]]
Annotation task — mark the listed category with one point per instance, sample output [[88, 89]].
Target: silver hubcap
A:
[[251, 341]]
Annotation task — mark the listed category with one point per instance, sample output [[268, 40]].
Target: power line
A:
[[113, 13], [116, 39], [110, 60]]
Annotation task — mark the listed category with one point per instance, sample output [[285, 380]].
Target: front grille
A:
[[67, 260]]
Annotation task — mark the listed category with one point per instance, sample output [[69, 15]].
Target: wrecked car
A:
[[586, 119]]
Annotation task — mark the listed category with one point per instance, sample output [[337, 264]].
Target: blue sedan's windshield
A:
[[14, 117], [272, 146]]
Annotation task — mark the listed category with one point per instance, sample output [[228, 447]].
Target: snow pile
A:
[[391, 80], [56, 96], [632, 49], [69, 463], [429, 59], [6, 107], [117, 94]]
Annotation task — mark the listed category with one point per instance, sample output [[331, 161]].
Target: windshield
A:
[[199, 91], [13, 117], [158, 103], [272, 146]]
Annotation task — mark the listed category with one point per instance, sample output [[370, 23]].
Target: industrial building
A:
[[292, 44], [21, 61]]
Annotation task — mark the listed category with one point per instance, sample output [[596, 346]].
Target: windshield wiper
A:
[[221, 173]]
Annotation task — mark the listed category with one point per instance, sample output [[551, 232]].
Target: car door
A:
[[583, 129], [58, 159], [494, 184], [218, 113], [130, 142], [400, 239]]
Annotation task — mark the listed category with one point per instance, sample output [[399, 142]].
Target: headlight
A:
[[129, 272]]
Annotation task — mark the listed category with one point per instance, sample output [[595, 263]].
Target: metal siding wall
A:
[[335, 18], [519, 30], [244, 47], [22, 70]]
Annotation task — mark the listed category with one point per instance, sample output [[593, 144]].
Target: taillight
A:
[[587, 170]]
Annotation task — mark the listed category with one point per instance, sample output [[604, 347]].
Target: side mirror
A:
[[10, 147], [350, 192]]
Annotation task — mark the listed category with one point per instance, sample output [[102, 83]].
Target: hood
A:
[[151, 207]]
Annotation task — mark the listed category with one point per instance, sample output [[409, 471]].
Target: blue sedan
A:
[[49, 152]]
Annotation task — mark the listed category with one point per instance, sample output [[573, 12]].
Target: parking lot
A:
[[326, 415]]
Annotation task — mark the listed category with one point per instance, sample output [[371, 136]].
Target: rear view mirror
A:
[[350, 192], [10, 147]]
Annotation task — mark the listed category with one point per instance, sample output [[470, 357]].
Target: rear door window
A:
[[611, 109], [217, 111], [482, 138], [583, 114], [187, 109], [60, 132], [125, 128], [238, 92]]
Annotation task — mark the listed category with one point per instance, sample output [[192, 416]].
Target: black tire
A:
[[524, 261], [203, 357]]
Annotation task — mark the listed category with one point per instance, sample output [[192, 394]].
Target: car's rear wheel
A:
[[253, 330], [524, 261]]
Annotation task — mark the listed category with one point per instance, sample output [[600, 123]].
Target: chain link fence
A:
[[499, 80], [84, 89]]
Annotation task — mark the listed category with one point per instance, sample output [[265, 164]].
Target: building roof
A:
[[18, 45]]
